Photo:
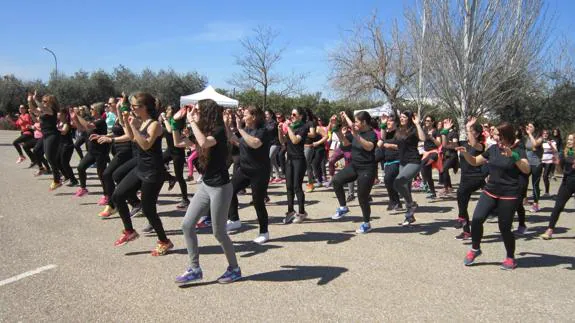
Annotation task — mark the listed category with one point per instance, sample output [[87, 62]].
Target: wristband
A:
[[444, 132], [515, 156], [383, 126], [335, 129]]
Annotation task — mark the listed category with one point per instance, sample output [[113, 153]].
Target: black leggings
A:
[[536, 172], [179, 160], [317, 162], [119, 174], [390, 174], [81, 139], [88, 160], [427, 171], [39, 154], [108, 175], [129, 186], [28, 147], [295, 172], [547, 172], [21, 140], [565, 192], [51, 146], [64, 155], [523, 186], [448, 163], [467, 186], [258, 182], [365, 178], [505, 210]]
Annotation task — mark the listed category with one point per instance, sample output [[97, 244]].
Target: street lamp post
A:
[[55, 59]]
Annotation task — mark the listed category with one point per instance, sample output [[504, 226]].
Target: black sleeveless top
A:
[[68, 138], [150, 162], [121, 147], [49, 124]]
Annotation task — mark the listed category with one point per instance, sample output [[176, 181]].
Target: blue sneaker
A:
[[340, 212], [230, 276], [191, 275], [364, 228]]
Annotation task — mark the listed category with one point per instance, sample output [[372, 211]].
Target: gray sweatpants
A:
[[402, 183], [217, 201], [274, 150]]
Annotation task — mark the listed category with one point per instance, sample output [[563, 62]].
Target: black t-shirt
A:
[[360, 157], [349, 138], [255, 160], [428, 144], [504, 176], [100, 128], [452, 137], [272, 132], [295, 151], [121, 147], [171, 147], [468, 170], [566, 163], [150, 162], [216, 172], [309, 140], [49, 124], [391, 154], [408, 153], [68, 138]]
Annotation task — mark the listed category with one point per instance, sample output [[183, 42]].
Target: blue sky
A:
[[187, 35]]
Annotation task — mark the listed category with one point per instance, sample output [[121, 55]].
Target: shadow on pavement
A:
[[421, 228], [245, 248], [544, 260], [325, 274], [328, 237]]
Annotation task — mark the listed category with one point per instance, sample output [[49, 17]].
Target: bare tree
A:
[[367, 62], [258, 64], [480, 52]]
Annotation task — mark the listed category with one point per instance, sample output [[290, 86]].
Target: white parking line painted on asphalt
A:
[[26, 274]]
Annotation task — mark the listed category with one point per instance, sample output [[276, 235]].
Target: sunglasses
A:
[[427, 120], [294, 114]]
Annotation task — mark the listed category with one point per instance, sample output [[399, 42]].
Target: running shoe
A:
[[431, 196], [350, 198], [171, 183], [32, 164], [81, 192], [390, 206], [340, 212], [72, 183], [471, 256], [290, 216], [459, 223], [55, 185], [408, 221], [148, 229], [548, 235], [126, 237], [521, 230], [39, 172], [262, 238], [309, 188], [267, 199], [189, 276], [233, 225], [162, 248], [398, 207], [183, 205], [203, 223], [300, 217], [20, 160], [326, 184], [509, 264], [108, 210], [463, 236], [364, 228], [136, 210], [231, 275], [534, 208], [103, 200]]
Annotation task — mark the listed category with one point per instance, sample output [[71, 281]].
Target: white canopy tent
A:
[[208, 93], [377, 111]]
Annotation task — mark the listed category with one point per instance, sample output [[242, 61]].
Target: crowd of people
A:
[[123, 141]]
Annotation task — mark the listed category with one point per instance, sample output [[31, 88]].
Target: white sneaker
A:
[[233, 225], [300, 217], [262, 238]]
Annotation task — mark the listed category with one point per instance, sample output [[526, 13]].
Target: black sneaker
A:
[[148, 229], [408, 221], [183, 204], [136, 210], [32, 164], [290, 216], [72, 183], [398, 207], [350, 198], [390, 206], [463, 236], [171, 183], [459, 223]]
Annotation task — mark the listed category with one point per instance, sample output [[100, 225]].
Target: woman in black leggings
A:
[[24, 122], [175, 154], [567, 188], [48, 110], [430, 146], [97, 153], [148, 174], [254, 170], [390, 161], [472, 177], [294, 139], [363, 167], [66, 147], [501, 193], [81, 136], [449, 140]]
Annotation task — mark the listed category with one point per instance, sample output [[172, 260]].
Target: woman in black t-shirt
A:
[[214, 195], [147, 176], [97, 153], [66, 147], [449, 140], [297, 131], [501, 193], [408, 136], [271, 126], [472, 177], [363, 167], [390, 148], [175, 154], [430, 146], [254, 170]]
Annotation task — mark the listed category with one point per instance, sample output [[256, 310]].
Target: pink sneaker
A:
[[103, 200], [20, 159], [81, 192]]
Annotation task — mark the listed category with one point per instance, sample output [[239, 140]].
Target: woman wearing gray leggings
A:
[[408, 136], [214, 195]]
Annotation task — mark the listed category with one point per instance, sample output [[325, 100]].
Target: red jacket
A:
[[24, 122]]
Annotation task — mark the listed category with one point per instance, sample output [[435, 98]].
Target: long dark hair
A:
[[271, 112], [258, 114], [211, 116], [364, 116], [404, 131], [148, 101], [506, 132], [302, 112]]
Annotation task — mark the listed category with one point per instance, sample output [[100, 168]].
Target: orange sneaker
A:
[[162, 248]]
